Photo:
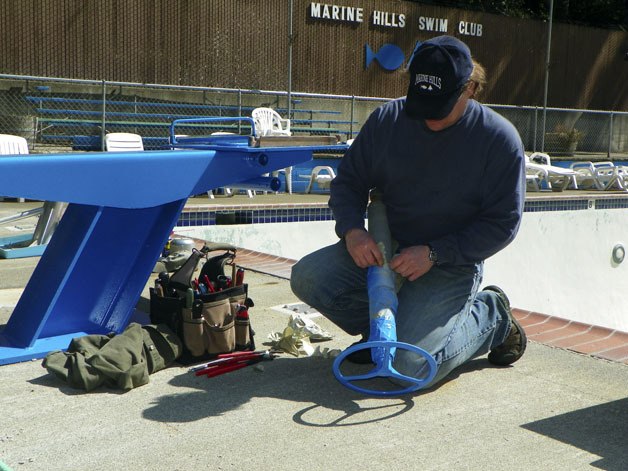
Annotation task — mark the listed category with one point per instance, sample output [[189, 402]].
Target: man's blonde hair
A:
[[478, 77]]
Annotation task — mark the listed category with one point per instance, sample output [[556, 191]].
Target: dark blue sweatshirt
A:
[[460, 190]]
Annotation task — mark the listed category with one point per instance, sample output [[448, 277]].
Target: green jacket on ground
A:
[[122, 361]]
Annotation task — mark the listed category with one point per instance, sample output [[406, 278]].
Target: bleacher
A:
[[78, 121]]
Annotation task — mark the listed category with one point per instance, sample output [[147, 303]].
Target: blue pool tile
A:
[[555, 205], [294, 213], [611, 203]]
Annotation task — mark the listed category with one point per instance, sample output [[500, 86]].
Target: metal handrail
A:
[[239, 119]]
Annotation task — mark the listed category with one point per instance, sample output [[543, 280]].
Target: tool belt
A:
[[208, 312]]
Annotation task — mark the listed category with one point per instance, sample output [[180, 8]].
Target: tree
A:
[[599, 13]]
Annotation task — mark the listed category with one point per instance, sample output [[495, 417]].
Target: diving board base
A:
[[42, 346], [10, 247]]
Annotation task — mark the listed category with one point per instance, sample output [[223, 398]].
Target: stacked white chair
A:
[[270, 123]]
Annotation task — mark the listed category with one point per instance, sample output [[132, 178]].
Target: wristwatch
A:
[[433, 256]]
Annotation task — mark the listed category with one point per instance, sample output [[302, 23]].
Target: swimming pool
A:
[[565, 261]]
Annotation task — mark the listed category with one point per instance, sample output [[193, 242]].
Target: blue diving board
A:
[[122, 208]]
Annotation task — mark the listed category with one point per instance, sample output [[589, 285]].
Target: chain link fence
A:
[[571, 133], [54, 114]]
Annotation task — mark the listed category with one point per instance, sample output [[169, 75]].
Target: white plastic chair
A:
[[12, 145], [323, 180], [269, 123], [123, 142]]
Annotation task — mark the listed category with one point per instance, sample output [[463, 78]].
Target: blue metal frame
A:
[[122, 207]]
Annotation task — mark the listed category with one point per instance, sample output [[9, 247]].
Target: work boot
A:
[[515, 344], [360, 357]]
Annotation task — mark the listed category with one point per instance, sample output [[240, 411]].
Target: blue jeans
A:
[[441, 312]]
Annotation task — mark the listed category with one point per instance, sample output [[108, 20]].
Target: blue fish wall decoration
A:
[[389, 56]]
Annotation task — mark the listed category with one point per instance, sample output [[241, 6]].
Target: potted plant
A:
[[562, 141]]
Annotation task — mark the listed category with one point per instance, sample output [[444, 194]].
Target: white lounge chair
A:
[[611, 177], [535, 177], [550, 176], [270, 123], [587, 174]]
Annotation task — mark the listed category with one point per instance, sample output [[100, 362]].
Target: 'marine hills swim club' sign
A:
[[331, 12]]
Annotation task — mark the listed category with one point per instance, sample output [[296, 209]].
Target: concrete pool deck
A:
[[555, 409]]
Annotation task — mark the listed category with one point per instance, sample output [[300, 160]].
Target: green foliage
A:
[[599, 13], [516, 8]]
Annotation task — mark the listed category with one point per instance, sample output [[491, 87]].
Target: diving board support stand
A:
[[122, 208]]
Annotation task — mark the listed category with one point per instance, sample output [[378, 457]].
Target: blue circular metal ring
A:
[[385, 370]]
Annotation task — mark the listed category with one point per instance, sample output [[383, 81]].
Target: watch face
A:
[[432, 256]]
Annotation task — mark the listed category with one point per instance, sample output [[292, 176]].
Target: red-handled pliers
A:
[[228, 362]]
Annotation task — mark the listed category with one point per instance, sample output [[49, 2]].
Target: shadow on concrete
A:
[[600, 430], [303, 380]]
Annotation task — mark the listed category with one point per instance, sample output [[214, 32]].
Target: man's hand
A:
[[363, 249], [412, 262]]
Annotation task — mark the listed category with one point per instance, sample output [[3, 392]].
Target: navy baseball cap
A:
[[439, 68]]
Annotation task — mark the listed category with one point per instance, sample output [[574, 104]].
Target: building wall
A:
[[244, 44]]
